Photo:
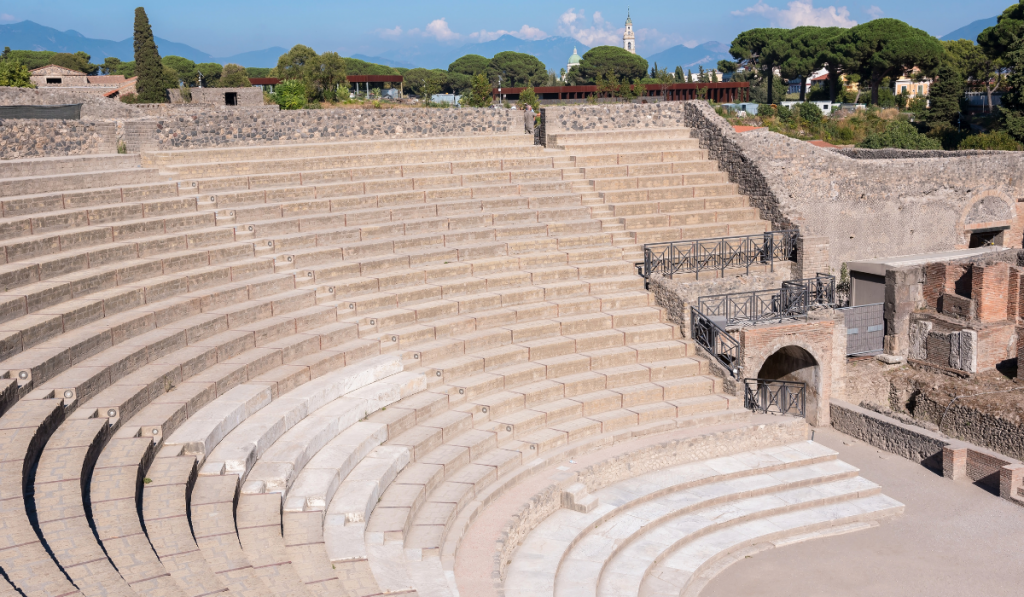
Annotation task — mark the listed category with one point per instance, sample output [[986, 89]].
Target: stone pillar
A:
[[954, 461], [990, 289], [812, 257], [1011, 479]]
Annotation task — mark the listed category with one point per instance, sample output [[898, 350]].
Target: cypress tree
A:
[[944, 98], [148, 67]]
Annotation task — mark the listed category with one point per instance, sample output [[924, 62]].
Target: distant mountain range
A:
[[554, 52], [971, 31], [28, 35], [384, 61], [706, 54]]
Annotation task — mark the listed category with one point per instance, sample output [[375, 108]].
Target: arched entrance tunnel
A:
[[793, 363]]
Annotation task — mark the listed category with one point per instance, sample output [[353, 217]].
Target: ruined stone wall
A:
[[31, 138], [94, 106], [890, 153], [891, 202], [227, 128], [866, 207]]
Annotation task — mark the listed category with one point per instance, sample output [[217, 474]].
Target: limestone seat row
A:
[[642, 535], [178, 350]]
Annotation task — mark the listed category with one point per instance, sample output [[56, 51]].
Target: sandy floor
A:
[[955, 539]]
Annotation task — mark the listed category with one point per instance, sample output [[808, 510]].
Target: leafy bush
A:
[[900, 134], [233, 75], [809, 112], [767, 111], [529, 97], [997, 140], [14, 74], [480, 96], [290, 95]]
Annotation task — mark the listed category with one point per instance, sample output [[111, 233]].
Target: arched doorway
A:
[[789, 364]]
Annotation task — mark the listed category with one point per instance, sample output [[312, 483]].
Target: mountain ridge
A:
[[29, 35]]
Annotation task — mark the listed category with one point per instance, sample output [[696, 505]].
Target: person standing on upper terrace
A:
[[530, 117]]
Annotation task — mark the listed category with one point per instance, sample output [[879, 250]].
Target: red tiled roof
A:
[[818, 143]]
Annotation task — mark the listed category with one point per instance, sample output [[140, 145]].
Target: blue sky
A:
[[225, 27]]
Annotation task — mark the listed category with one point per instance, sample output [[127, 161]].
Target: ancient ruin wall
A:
[[867, 207], [227, 128], [890, 205], [42, 138]]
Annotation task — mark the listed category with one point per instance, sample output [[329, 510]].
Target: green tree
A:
[[1012, 109], [995, 140], [679, 76], [888, 48], [689, 76], [354, 66], [458, 83], [900, 134], [529, 97], [998, 40], [256, 72], [14, 74], [436, 80], [183, 67], [292, 64], [416, 81], [233, 75], [607, 61], [470, 64], [290, 94], [324, 75], [764, 50], [211, 72], [976, 66], [808, 45], [31, 59], [517, 69], [151, 85], [79, 62], [480, 96], [113, 66]]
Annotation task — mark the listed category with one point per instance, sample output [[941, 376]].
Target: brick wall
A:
[[934, 284], [811, 257], [989, 289], [996, 345], [816, 338]]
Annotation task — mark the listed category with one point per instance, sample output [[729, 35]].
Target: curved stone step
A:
[[652, 555], [673, 574]]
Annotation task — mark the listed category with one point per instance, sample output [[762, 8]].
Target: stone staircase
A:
[[298, 369]]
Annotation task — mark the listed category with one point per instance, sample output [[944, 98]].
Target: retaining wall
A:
[[44, 138], [885, 203]]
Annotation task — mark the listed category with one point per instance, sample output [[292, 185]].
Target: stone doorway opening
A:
[[986, 238], [793, 363]]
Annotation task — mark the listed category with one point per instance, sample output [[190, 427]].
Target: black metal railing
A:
[[730, 252], [714, 339], [774, 395], [792, 301]]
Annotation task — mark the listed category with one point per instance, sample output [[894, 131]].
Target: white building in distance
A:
[[628, 42]]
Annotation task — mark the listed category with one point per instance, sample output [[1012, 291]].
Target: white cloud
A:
[[396, 32], [6, 18], [875, 12], [600, 33], [438, 29], [524, 32], [800, 12]]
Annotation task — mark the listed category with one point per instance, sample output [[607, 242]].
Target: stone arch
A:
[[793, 363], [797, 360], [991, 212]]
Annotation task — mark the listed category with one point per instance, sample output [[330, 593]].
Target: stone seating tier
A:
[[178, 345]]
